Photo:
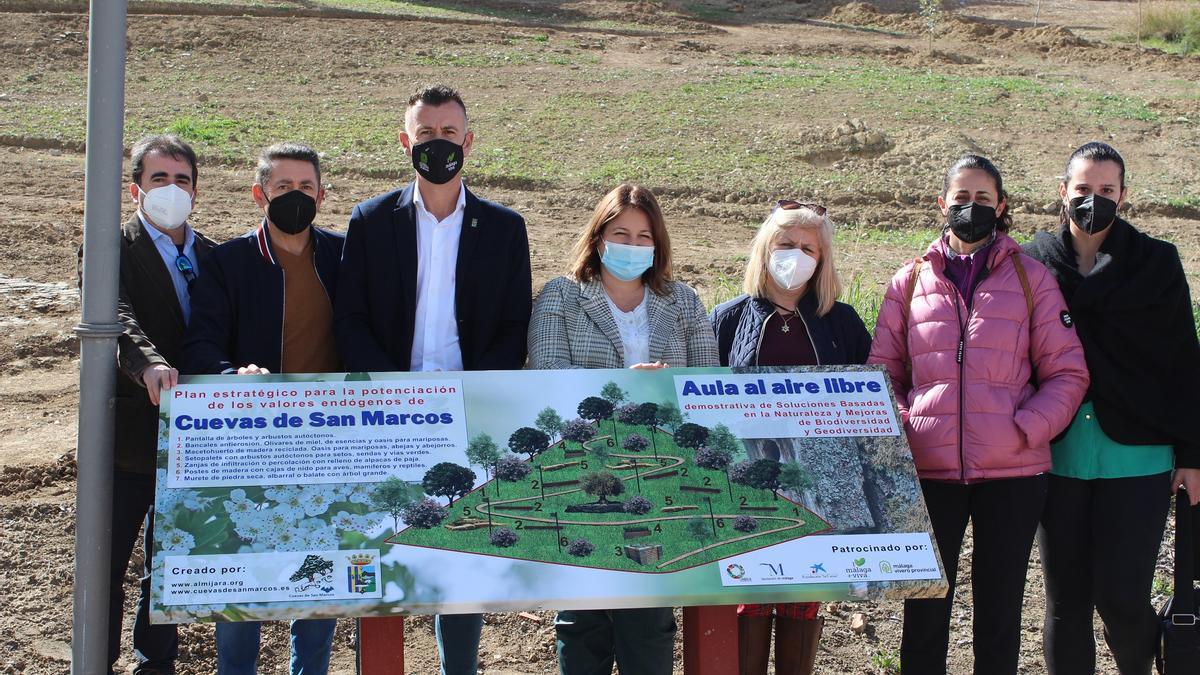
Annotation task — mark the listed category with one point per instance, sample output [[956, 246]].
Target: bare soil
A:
[[881, 187]]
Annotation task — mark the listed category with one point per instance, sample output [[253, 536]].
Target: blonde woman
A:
[[788, 316], [619, 308]]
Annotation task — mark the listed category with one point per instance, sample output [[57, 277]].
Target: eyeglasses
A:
[[184, 265], [792, 205]]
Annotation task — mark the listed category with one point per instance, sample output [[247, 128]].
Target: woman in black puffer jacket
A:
[[789, 316]]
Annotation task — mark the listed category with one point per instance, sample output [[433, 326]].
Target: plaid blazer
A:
[[573, 327]]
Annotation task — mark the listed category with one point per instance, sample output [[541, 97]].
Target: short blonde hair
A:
[[824, 282], [585, 255]]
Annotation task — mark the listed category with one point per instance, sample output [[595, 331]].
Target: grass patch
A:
[[205, 129], [1171, 27]]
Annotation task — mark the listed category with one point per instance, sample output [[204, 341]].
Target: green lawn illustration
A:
[[594, 502]]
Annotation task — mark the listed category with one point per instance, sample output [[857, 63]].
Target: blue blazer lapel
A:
[[595, 304], [663, 312]]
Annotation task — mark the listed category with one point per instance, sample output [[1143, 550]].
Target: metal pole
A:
[[98, 331]]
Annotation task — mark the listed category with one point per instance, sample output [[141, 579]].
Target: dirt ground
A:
[[186, 57]]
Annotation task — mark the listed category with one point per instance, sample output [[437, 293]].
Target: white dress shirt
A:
[[169, 252], [634, 327], [435, 333]]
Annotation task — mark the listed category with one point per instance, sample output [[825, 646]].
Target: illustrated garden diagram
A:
[[626, 486]]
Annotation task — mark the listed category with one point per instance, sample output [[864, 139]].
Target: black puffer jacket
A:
[[839, 337]]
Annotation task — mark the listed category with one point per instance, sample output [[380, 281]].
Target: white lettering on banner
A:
[[295, 433], [271, 577], [790, 405], [835, 558]]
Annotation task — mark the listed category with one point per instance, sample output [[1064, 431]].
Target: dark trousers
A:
[[1099, 542], [1004, 515], [133, 505], [458, 642], [642, 641]]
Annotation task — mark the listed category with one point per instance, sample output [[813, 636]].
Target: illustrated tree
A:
[[745, 523], [698, 527], [313, 566], [669, 415], [449, 480], [596, 409], [764, 475], [549, 422], [628, 415], [613, 393], [581, 548], [635, 443], [722, 440], [601, 452], [512, 469], [708, 458], [503, 537], [425, 513], [637, 505], [529, 441], [739, 471], [601, 484], [483, 451], [795, 478], [691, 436], [391, 496], [648, 416], [578, 430]]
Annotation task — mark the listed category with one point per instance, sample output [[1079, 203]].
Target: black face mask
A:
[[971, 222], [438, 161], [292, 212], [1093, 213]]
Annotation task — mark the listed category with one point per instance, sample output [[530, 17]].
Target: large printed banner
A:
[[294, 496]]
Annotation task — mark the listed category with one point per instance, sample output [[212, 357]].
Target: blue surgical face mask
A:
[[626, 262]]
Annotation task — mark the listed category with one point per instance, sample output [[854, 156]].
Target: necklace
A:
[[786, 319]]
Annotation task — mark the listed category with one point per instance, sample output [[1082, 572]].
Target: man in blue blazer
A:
[[434, 278]]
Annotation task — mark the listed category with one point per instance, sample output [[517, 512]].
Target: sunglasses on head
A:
[[792, 205]]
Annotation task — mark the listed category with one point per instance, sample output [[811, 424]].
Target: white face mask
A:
[[168, 206], [791, 268]]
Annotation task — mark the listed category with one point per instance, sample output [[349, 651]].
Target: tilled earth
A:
[[879, 174]]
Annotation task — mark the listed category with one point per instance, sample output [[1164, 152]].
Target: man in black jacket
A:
[[434, 278], [265, 305], [159, 256]]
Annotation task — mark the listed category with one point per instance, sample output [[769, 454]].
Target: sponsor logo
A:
[[735, 571], [885, 567], [315, 573], [816, 568], [859, 562], [1066, 319]]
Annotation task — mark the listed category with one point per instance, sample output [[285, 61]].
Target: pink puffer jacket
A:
[[979, 417]]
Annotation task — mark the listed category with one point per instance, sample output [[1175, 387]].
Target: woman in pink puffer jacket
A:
[[987, 369]]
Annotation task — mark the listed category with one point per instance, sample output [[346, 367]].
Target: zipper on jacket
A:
[[958, 358], [816, 355], [762, 331]]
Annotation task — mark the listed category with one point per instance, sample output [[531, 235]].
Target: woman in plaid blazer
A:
[[619, 308]]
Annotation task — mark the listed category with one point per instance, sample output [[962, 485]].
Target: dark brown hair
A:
[[166, 144], [985, 165], [586, 253], [436, 94]]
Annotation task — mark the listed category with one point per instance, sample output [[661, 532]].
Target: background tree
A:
[[512, 469], [391, 496], [483, 451], [601, 452], [708, 458], [601, 484], [425, 513], [578, 430], [699, 528], [721, 439], [612, 393], [529, 441], [691, 436], [549, 422], [449, 480], [628, 415], [764, 475], [795, 478], [635, 443]]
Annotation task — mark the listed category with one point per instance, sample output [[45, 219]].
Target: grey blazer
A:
[[573, 327]]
